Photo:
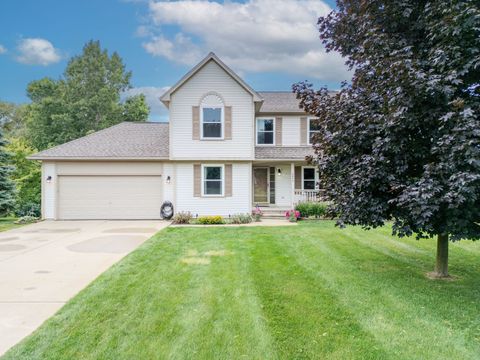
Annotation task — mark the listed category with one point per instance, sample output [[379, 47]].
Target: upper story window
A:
[[212, 117], [313, 128], [265, 131]]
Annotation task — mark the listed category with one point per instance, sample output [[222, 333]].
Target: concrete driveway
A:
[[43, 265]]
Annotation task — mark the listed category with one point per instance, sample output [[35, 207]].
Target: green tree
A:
[[87, 98], [402, 141], [12, 119], [27, 177], [7, 188]]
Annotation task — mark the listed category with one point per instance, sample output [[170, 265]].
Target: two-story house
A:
[[225, 149]]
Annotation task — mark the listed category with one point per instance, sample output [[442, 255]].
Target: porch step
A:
[[273, 213]]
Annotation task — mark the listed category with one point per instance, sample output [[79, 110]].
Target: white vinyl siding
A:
[[211, 78], [239, 202], [49, 190], [291, 131]]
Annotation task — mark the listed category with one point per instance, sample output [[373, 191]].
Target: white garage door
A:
[[109, 197]]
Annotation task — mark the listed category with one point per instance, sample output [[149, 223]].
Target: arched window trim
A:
[[221, 107]]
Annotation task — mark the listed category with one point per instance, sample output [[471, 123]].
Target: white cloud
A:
[[158, 111], [35, 51], [256, 36], [3, 49]]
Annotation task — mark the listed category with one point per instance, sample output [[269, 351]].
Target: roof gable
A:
[[165, 98]]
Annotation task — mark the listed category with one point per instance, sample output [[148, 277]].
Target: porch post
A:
[[292, 181]]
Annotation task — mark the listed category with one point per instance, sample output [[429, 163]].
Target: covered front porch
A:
[[282, 185]]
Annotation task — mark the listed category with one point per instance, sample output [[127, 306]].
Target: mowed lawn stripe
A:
[[306, 319], [222, 304], [388, 296]]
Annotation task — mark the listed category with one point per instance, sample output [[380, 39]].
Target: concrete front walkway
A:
[[43, 265]]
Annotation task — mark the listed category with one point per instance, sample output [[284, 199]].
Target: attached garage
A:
[[115, 173], [109, 197]]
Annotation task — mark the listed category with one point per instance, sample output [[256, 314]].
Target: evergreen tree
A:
[[7, 187]]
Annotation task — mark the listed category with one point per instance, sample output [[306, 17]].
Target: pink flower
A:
[[291, 213]]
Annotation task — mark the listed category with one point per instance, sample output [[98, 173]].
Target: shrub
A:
[[257, 213], [28, 209], [308, 209], [241, 219], [182, 217], [26, 220], [210, 220]]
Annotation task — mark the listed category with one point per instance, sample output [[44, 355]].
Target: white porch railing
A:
[[305, 196]]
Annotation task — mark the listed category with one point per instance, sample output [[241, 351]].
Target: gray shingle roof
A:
[[282, 152], [128, 140], [279, 102]]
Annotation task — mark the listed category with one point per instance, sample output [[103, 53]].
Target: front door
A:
[[260, 185]]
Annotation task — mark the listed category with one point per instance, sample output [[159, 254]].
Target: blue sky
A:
[[270, 43]]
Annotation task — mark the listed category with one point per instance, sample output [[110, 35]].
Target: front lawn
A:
[[7, 224], [303, 292]]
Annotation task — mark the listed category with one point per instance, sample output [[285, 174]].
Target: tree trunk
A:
[[441, 266]]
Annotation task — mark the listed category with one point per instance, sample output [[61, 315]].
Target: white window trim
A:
[[308, 130], [222, 121], [316, 178], [256, 131], [222, 179]]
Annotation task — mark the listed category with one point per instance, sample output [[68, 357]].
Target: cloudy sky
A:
[[270, 43]]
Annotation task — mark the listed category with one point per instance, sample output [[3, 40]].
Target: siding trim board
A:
[[278, 131], [195, 122], [197, 180], [228, 180], [303, 130], [228, 123], [298, 177]]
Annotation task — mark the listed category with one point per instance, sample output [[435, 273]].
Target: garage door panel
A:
[[109, 197]]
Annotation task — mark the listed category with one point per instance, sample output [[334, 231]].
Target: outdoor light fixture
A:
[[279, 172], [168, 179], [49, 179]]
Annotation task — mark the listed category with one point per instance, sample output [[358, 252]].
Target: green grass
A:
[[8, 223], [305, 292]]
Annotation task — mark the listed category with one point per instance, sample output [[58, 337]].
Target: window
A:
[[309, 178], [265, 131], [213, 180], [212, 122], [313, 128]]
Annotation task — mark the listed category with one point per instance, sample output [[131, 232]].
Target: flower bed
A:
[[186, 218]]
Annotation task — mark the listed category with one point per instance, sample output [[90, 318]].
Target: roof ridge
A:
[[276, 91], [142, 123]]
